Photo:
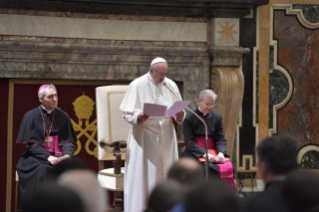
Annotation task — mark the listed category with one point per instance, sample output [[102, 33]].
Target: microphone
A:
[[205, 127]]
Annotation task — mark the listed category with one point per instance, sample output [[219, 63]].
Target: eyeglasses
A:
[[213, 105], [160, 74]]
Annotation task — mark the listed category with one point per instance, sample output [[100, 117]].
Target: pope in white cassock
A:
[[151, 144]]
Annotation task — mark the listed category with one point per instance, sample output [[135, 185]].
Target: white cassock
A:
[[151, 145]]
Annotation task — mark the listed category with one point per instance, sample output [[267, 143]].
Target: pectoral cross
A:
[[48, 140]]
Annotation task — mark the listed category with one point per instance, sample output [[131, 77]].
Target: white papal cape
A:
[[151, 145]]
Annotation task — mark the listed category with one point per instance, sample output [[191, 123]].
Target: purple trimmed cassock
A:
[[33, 167]]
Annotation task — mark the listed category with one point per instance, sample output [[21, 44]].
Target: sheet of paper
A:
[[177, 107], [154, 109]]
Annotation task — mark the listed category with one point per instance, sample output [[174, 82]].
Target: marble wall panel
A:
[[247, 130], [298, 50], [310, 12], [100, 41], [263, 37], [64, 27], [225, 32]]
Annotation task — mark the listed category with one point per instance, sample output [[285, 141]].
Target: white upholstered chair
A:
[[112, 132]]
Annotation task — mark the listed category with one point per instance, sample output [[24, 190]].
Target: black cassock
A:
[[33, 168], [192, 127]]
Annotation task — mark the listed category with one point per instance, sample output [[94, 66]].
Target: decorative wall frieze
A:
[[188, 65], [98, 49], [66, 27], [225, 32], [227, 56], [199, 8]]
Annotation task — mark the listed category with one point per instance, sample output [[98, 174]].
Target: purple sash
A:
[[53, 145], [225, 170], [226, 174], [200, 140]]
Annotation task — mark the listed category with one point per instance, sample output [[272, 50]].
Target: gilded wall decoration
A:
[[83, 107]]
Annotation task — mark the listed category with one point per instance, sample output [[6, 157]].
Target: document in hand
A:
[[161, 110]]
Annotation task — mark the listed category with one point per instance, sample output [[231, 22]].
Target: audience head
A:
[[187, 171], [85, 183], [210, 196], [277, 156], [301, 191], [53, 198], [69, 164], [206, 100], [164, 196]]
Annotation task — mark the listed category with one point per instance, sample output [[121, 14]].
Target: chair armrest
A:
[[116, 145], [121, 143], [180, 144]]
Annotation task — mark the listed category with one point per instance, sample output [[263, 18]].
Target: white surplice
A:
[[151, 145]]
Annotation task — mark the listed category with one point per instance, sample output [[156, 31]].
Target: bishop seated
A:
[[49, 137]]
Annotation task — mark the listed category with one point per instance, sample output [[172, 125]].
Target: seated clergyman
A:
[[49, 137], [194, 137]]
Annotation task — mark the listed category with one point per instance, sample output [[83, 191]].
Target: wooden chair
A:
[[17, 193], [112, 132]]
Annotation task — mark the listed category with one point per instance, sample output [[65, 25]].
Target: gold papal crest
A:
[[83, 107]]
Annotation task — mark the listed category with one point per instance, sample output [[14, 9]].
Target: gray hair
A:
[[41, 93], [209, 93], [86, 185]]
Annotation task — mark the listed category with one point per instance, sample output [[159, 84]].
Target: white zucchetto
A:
[[158, 60]]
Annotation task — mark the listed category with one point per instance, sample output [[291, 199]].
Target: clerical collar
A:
[[48, 111], [204, 114]]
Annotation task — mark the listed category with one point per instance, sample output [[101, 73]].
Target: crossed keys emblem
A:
[[83, 107]]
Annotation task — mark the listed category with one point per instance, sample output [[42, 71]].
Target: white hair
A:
[[41, 92], [209, 93]]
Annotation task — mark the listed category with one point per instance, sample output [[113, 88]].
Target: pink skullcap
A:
[[42, 86]]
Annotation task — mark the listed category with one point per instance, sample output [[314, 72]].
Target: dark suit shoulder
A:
[[269, 200], [215, 115], [33, 112], [61, 113], [189, 115]]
